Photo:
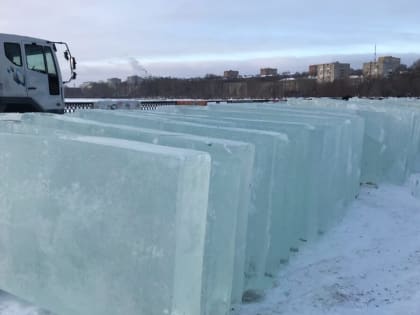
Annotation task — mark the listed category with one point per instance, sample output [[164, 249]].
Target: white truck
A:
[[30, 76]]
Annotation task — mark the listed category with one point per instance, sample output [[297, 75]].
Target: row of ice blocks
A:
[[279, 176], [226, 221], [391, 149], [277, 179], [306, 170]]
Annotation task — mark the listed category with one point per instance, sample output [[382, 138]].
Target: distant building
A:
[[330, 72], [268, 72], [231, 74], [382, 68], [113, 82], [313, 70], [134, 80], [370, 69]]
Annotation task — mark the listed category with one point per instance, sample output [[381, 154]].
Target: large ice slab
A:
[[229, 194], [102, 226]]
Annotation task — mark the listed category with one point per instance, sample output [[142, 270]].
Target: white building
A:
[[329, 72], [382, 68]]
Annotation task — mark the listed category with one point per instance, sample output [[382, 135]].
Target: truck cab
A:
[[30, 76]]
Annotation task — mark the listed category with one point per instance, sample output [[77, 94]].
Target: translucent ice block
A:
[[229, 195], [101, 226]]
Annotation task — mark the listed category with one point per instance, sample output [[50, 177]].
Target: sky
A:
[[189, 38]]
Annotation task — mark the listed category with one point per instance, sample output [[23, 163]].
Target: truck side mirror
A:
[[73, 63], [66, 55]]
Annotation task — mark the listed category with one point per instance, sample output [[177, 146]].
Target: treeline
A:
[[403, 84]]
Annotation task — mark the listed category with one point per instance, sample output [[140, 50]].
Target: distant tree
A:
[[416, 66], [211, 76], [402, 68]]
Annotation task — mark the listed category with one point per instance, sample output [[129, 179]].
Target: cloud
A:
[[190, 36]]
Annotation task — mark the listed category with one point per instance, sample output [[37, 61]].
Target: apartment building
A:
[[313, 70], [382, 68], [329, 72]]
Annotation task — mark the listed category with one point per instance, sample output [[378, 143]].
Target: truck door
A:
[[43, 78]]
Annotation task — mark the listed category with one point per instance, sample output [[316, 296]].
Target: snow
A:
[[10, 305], [367, 264]]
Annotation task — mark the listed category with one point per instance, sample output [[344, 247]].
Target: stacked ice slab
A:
[[94, 225]]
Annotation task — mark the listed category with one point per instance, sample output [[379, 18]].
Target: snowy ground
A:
[[368, 264], [12, 306]]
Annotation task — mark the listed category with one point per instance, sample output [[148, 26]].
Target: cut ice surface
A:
[[89, 226], [229, 194]]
